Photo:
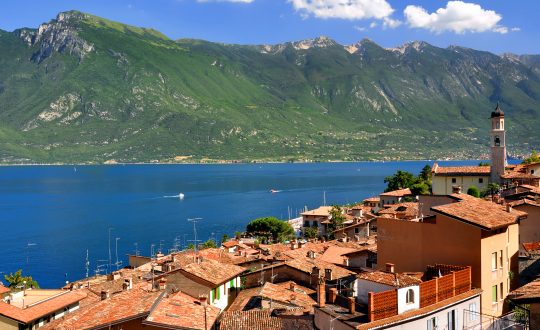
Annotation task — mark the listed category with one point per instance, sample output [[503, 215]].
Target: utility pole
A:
[[118, 263], [110, 256]]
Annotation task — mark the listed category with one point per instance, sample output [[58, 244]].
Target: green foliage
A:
[[191, 246], [209, 244], [271, 228], [420, 185], [311, 232], [336, 221], [139, 96], [484, 164], [400, 180], [473, 191], [16, 281], [534, 158], [224, 238]]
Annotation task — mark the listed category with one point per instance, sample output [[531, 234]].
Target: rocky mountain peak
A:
[[417, 46], [319, 42], [58, 35]]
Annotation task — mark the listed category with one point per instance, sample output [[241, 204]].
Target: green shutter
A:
[[218, 292], [231, 283], [494, 293]]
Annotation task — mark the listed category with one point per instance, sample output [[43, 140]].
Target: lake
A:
[[51, 215]]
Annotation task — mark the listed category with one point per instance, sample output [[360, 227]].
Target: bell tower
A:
[[498, 145]]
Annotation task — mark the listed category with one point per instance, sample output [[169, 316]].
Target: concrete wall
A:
[[226, 294], [363, 287], [529, 228], [403, 306], [442, 185], [8, 324]]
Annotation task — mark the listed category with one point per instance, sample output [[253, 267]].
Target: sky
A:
[[498, 26]]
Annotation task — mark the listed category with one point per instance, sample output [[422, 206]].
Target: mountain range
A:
[[83, 89]]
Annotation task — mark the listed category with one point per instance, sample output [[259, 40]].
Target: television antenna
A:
[[152, 250], [110, 256], [136, 249], [195, 241], [87, 264], [118, 262]]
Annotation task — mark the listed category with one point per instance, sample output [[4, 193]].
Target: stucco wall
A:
[[363, 287], [529, 228], [442, 185], [403, 306], [8, 324]]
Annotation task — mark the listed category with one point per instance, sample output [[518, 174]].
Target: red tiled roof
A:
[[334, 254], [398, 193], [182, 311], [397, 280], [481, 213], [124, 306], [230, 244], [301, 262], [524, 202], [41, 309], [374, 199], [322, 211], [402, 210], [462, 170], [212, 271], [3, 289], [532, 246], [530, 291], [261, 320]]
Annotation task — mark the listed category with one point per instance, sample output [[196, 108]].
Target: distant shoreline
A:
[[235, 163]]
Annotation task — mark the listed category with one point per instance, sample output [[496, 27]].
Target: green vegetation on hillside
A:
[[106, 91]]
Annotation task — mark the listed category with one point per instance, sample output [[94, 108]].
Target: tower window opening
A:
[[497, 141]]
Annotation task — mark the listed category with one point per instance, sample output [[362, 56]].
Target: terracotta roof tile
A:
[[532, 246], [3, 289], [398, 280], [41, 309], [301, 262], [124, 306], [481, 213], [334, 254], [213, 271], [461, 170], [398, 193], [182, 311], [322, 211], [261, 320], [402, 210], [374, 199], [530, 291]]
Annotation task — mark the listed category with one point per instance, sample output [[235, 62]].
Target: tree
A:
[[534, 158], [484, 164], [224, 238], [400, 180], [421, 188], [271, 227], [17, 280], [210, 244], [425, 174], [191, 246], [311, 232], [336, 221], [473, 191]]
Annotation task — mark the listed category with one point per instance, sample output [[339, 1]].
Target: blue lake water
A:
[[51, 215]]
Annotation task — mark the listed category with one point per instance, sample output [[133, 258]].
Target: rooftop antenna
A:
[[110, 256], [136, 249], [160, 246], [324, 198], [87, 264], [195, 241], [152, 250], [118, 263]]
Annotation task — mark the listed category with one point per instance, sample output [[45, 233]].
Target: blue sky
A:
[[494, 25]]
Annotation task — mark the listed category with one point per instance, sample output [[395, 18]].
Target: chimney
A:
[[292, 286], [128, 284], [345, 261], [328, 274], [321, 294], [352, 305], [311, 254], [508, 208], [302, 243], [315, 271], [203, 300], [162, 284], [390, 267], [104, 294], [293, 244], [332, 295], [456, 189]]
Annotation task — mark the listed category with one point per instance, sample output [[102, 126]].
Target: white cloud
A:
[[515, 29], [373, 25], [344, 9], [359, 28], [391, 23], [236, 1], [458, 16]]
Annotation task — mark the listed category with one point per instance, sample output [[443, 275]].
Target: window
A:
[[498, 126], [452, 320], [532, 171], [231, 283], [454, 180], [494, 261], [494, 294], [432, 323], [501, 259], [356, 230], [473, 313], [306, 223], [501, 292], [409, 298], [497, 141], [481, 180]]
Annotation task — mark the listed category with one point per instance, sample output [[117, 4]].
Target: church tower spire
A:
[[498, 145]]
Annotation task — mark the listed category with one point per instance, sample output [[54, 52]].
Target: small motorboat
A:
[[273, 191], [181, 196]]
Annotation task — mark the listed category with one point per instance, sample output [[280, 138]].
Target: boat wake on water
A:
[[179, 196]]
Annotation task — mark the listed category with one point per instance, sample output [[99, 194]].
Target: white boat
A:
[[181, 195]]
